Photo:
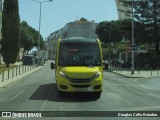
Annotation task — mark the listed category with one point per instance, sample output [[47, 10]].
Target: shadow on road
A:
[[49, 92]]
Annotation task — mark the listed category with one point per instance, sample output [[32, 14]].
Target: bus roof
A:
[[79, 40]]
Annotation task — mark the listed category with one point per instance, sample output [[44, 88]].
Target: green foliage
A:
[[147, 14], [141, 33], [105, 49], [117, 29], [126, 29], [114, 31], [108, 31], [104, 45], [26, 37], [10, 31], [120, 29], [29, 37], [101, 31], [120, 47], [105, 53]]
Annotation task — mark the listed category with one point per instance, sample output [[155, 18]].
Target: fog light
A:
[[63, 87], [97, 87]]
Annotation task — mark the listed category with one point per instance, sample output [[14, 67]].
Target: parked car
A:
[[117, 62], [28, 59], [120, 62]]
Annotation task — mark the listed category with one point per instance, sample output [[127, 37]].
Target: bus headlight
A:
[[62, 74], [97, 75]]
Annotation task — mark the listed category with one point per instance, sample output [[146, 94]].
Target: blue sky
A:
[[58, 13]]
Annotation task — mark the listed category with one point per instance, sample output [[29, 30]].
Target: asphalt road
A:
[[38, 92]]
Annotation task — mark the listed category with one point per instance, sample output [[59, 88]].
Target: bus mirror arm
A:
[[52, 65]]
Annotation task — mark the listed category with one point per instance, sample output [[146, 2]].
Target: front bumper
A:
[[68, 87]]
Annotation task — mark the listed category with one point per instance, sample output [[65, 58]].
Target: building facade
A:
[[123, 9], [78, 28]]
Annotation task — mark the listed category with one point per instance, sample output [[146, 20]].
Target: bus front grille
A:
[[80, 86], [73, 80]]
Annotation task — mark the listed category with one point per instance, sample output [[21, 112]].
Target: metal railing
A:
[[13, 72], [138, 70]]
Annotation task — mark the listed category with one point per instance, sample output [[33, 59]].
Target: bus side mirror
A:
[[52, 65]]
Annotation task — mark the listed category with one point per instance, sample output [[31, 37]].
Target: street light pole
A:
[[39, 34], [40, 4], [132, 69], [110, 33]]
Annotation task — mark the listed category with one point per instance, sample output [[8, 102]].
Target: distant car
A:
[[117, 62], [28, 60], [120, 62]]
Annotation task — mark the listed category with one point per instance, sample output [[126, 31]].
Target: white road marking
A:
[[10, 99], [140, 93], [150, 88]]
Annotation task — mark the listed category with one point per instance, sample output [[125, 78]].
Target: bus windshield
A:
[[79, 55]]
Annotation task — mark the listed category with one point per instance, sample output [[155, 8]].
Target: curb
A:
[[130, 76], [127, 76]]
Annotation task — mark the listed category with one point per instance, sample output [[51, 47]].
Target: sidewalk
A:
[[137, 74], [18, 63], [17, 73]]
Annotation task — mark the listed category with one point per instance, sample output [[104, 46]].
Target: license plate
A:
[[81, 89], [84, 89]]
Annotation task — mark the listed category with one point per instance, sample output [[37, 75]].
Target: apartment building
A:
[[122, 10]]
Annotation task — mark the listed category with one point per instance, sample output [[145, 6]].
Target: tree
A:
[[108, 31], [147, 12], [29, 37], [10, 31], [26, 38], [126, 29]]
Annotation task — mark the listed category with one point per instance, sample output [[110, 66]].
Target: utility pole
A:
[[110, 34], [40, 4]]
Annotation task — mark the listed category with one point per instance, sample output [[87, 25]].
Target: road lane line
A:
[[11, 99], [150, 88], [153, 95], [140, 93]]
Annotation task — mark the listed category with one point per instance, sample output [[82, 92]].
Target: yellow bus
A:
[[78, 66]]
